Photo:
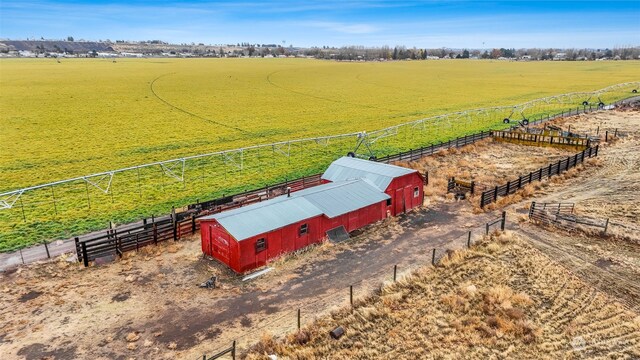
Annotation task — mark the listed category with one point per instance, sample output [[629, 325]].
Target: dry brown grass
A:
[[500, 299], [487, 163]]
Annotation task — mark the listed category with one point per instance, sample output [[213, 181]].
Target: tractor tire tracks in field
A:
[[153, 91], [617, 286]]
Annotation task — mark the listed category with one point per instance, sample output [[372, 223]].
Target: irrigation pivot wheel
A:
[[506, 120], [585, 103], [351, 154], [634, 91]]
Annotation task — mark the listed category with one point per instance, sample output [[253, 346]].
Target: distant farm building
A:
[[356, 193]]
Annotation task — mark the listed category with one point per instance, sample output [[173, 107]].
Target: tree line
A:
[[403, 53]]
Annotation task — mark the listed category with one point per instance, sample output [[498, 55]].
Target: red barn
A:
[[403, 185], [247, 237]]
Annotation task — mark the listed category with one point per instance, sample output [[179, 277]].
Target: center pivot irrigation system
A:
[[175, 168], [583, 98], [113, 193]]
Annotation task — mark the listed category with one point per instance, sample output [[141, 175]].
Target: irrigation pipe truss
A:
[[175, 167]]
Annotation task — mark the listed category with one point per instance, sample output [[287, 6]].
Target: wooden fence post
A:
[[175, 226], [233, 350], [351, 295], [504, 220], [78, 249], [433, 258], [298, 319], [395, 272], [85, 259], [469, 240], [193, 223], [495, 194], [155, 233], [46, 247], [531, 208], [606, 226]]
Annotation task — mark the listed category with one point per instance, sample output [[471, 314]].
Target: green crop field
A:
[[83, 116]]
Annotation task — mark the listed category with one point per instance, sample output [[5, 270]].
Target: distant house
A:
[[560, 56], [525, 58]]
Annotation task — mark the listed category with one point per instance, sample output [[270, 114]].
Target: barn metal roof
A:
[[331, 199], [335, 199], [348, 168]]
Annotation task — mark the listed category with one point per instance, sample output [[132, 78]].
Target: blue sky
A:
[[430, 24]]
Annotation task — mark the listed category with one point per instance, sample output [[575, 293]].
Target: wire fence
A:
[[357, 291]]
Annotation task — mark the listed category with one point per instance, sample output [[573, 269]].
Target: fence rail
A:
[[512, 186], [117, 241], [460, 187], [541, 139], [562, 215], [415, 154]]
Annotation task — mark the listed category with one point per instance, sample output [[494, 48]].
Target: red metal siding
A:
[[401, 190], [217, 243], [241, 256]]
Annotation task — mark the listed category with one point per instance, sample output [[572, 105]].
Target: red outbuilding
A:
[[356, 193], [403, 185]]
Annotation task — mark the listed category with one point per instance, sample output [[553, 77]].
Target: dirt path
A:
[[614, 269]]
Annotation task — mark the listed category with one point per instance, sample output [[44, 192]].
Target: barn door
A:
[[398, 202], [408, 197], [220, 245]]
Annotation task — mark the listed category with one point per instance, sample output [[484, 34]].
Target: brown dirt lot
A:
[[148, 304]]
